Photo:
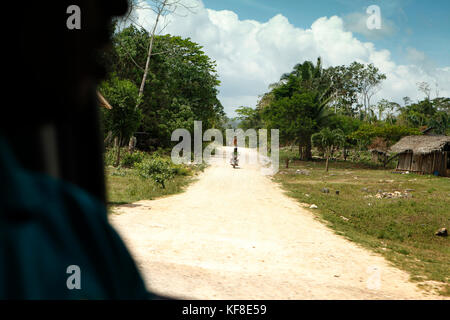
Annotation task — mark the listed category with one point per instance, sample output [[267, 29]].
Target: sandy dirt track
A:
[[234, 234]]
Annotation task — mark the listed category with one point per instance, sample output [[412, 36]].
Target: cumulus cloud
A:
[[251, 55]]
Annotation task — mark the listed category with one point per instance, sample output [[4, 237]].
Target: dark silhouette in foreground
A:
[[52, 190]]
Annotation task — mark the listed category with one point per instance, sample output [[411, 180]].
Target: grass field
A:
[[401, 229], [126, 186]]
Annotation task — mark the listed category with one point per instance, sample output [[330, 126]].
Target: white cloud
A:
[[251, 55]]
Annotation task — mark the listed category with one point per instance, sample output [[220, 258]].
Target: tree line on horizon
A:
[[332, 108]]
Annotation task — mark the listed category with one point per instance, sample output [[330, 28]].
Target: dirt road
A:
[[235, 235]]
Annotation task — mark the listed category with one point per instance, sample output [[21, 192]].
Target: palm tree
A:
[[327, 140], [309, 77]]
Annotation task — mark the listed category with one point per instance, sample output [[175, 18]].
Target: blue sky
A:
[[423, 25], [255, 41]]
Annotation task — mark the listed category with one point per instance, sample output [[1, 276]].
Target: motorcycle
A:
[[234, 161]]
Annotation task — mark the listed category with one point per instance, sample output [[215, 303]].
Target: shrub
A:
[[109, 156], [180, 170], [131, 159], [156, 168]]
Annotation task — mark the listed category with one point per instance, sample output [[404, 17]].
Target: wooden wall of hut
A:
[[404, 161], [427, 163]]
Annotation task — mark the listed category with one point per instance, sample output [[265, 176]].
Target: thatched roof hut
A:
[[424, 154], [421, 144]]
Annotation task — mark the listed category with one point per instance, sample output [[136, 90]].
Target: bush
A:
[[180, 170], [109, 156], [131, 159], [156, 168]]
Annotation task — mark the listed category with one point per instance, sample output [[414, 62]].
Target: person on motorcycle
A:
[[234, 158]]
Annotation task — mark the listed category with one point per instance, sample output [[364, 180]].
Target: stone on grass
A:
[[442, 232], [313, 206], [303, 171], [325, 190]]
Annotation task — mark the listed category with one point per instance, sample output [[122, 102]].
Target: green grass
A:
[[124, 185], [400, 229]]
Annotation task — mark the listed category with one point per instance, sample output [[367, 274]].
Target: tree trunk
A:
[[149, 54], [300, 151], [308, 154], [326, 163], [107, 141], [118, 153], [132, 144]]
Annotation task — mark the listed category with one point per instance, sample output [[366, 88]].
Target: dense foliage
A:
[[181, 85]]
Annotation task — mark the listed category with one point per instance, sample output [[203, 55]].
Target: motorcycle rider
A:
[[234, 158]]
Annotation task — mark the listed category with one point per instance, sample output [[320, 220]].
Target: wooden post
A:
[[132, 144]]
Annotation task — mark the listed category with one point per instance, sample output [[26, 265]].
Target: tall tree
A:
[[297, 118], [425, 88], [300, 104], [182, 82], [161, 8], [344, 88], [368, 78]]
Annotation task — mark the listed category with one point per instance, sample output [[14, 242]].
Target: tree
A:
[[328, 140], [342, 80], [442, 104], [406, 101], [249, 118], [440, 122], [299, 104], [390, 133], [181, 80], [348, 125], [425, 88], [158, 169], [391, 108], [368, 79], [123, 119], [382, 106], [419, 114], [388, 107], [297, 118], [161, 8]]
